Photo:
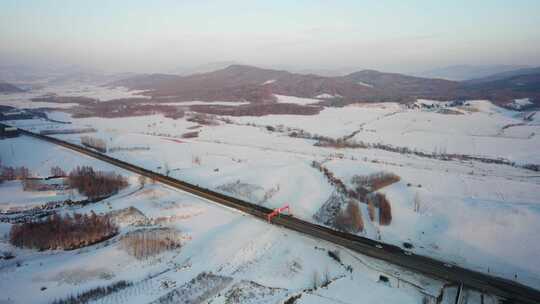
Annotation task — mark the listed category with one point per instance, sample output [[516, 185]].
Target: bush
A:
[[95, 184], [63, 232]]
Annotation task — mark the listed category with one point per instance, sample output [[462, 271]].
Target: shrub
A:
[[63, 232]]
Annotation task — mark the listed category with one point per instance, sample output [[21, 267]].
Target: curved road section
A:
[[511, 291]]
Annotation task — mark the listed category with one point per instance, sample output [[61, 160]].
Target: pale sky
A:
[[161, 35]]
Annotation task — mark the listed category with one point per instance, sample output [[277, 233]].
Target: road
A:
[[512, 291]]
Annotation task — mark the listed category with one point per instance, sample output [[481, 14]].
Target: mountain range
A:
[[242, 82]]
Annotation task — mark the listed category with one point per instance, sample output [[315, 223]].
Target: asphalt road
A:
[[511, 291]]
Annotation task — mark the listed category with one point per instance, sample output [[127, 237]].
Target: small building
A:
[[8, 132]]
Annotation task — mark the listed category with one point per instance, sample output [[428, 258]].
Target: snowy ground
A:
[[478, 215], [14, 197], [297, 100], [249, 261]]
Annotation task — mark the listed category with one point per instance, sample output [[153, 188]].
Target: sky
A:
[[164, 35]]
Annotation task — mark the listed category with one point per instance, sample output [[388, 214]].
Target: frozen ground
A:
[[226, 257]]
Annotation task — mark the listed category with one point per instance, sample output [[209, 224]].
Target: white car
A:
[[448, 265]]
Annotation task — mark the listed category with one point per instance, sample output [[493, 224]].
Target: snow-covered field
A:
[[226, 256], [296, 100], [478, 215], [14, 197]]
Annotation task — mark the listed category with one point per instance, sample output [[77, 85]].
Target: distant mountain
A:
[[466, 72], [6, 88], [505, 87], [241, 82], [504, 75], [404, 85]]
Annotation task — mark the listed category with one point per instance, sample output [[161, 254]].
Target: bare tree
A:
[[146, 243], [371, 210], [315, 280], [11, 173], [385, 210], [326, 277], [166, 169], [57, 171]]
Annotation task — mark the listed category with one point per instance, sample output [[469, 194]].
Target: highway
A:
[[511, 291]]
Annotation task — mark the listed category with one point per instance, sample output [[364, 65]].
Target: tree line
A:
[[95, 184]]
